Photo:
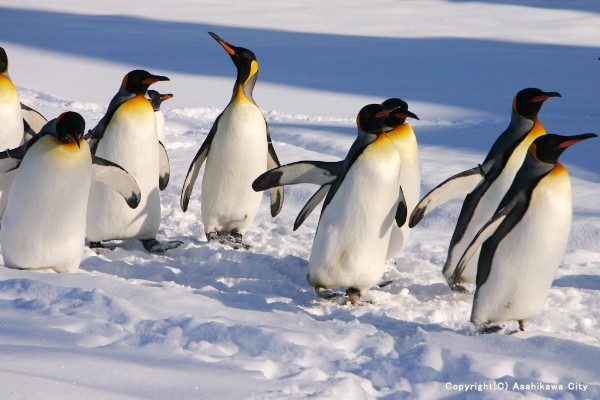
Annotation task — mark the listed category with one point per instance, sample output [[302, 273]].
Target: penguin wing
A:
[[502, 222], [457, 185], [401, 210], [115, 177], [311, 204], [33, 121], [10, 159], [164, 167], [317, 172], [276, 192], [192, 175]]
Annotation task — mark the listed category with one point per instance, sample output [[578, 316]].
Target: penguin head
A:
[[3, 62], [528, 102], [244, 60], [156, 98], [138, 81], [398, 112], [547, 148], [69, 127], [371, 118]]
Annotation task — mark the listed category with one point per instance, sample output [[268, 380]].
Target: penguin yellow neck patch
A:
[[253, 71]]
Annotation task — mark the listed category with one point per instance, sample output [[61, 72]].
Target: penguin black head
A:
[[138, 81], [156, 98], [371, 118], [398, 112], [69, 127], [528, 102], [3, 61], [547, 148], [244, 60]]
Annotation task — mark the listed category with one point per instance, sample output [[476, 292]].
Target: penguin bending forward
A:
[[237, 149], [46, 231], [486, 184], [127, 135], [363, 201], [523, 243]]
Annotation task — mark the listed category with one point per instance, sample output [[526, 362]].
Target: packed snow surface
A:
[[206, 321]]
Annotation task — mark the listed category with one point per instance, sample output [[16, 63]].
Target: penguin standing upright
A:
[[237, 149], [523, 243], [363, 202], [126, 135], [410, 176], [57, 165], [486, 184], [11, 123], [156, 99]]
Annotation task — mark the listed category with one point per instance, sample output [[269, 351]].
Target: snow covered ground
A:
[[204, 321]]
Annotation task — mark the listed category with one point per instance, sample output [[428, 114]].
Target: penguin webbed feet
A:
[[352, 296], [502, 329], [99, 247], [232, 239], [154, 246]]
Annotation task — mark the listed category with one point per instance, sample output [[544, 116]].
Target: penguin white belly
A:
[[47, 230], [483, 212], [11, 131], [349, 249], [525, 262], [160, 126], [238, 154], [410, 180], [130, 140], [11, 120]]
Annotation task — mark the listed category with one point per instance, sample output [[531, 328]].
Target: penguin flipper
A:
[[33, 121], [512, 213], [164, 167], [401, 210], [311, 205], [458, 185], [276, 192], [194, 170], [10, 159], [115, 177], [317, 172]]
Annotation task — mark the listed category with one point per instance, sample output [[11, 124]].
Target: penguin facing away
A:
[[404, 137], [523, 243], [127, 135], [486, 184], [237, 149], [362, 201], [11, 120], [58, 166]]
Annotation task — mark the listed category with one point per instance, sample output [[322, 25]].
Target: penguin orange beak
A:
[[404, 114], [571, 140], [154, 78], [74, 138], [228, 48], [166, 96], [545, 96]]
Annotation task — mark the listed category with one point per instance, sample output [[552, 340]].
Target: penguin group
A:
[[105, 185]]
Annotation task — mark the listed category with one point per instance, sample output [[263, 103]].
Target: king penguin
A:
[[486, 184], [364, 199], [57, 165], [127, 136], [156, 99], [237, 149], [404, 137], [524, 241]]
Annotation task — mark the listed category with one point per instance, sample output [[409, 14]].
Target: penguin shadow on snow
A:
[[587, 282], [243, 280]]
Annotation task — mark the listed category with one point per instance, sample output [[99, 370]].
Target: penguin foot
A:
[[233, 239], [327, 294], [353, 295], [522, 325], [491, 329], [98, 247], [154, 246], [458, 288]]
